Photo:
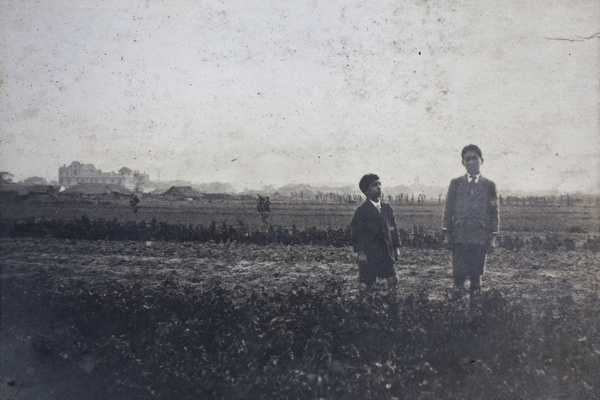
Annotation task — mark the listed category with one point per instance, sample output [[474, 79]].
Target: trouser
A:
[[468, 261]]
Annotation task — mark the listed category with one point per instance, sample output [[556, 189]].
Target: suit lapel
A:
[[373, 210], [479, 187], [383, 214], [464, 186]]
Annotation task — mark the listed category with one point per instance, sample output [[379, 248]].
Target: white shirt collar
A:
[[376, 204], [476, 177]]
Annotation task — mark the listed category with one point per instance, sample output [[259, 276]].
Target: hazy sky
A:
[[257, 92]]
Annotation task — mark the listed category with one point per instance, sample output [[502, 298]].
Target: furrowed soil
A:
[[173, 320]]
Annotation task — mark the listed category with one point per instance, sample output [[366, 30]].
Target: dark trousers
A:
[[369, 272], [468, 261]]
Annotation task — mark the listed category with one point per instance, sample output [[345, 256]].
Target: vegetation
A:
[[528, 220], [238, 321], [100, 229], [264, 308], [6, 177]]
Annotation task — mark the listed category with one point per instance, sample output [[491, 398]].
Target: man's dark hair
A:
[[471, 147], [366, 181]]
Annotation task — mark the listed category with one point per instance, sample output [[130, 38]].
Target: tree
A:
[[139, 181], [6, 177]]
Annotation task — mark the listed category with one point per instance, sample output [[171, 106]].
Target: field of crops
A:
[[225, 313], [580, 219], [167, 320]]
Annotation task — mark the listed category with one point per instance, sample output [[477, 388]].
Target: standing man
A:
[[470, 222], [375, 236]]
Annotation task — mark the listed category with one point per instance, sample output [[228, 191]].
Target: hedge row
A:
[[101, 229]]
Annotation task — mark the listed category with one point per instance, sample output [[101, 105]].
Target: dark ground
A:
[[96, 320]]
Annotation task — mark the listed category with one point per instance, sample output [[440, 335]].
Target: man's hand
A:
[[362, 257], [447, 241], [397, 253], [491, 244]]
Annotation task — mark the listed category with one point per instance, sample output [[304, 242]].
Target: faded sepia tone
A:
[[178, 180]]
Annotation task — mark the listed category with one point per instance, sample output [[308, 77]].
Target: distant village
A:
[[79, 181], [85, 181]]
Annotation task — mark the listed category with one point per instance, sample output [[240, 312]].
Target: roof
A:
[[125, 171], [97, 188], [40, 189], [182, 191], [23, 190], [13, 187]]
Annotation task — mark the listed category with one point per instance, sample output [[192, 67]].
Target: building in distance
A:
[[77, 173], [182, 193]]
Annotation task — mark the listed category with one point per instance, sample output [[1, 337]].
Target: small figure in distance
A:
[[134, 201], [470, 223], [264, 208], [375, 236]]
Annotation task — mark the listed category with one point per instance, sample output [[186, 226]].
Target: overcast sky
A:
[[299, 91]]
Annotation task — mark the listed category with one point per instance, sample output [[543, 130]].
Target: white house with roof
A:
[[77, 173]]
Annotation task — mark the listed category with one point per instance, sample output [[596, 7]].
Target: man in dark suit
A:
[[375, 236], [470, 222]]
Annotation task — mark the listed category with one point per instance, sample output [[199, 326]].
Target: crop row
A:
[[101, 229]]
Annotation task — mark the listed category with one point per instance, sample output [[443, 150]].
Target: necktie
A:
[[472, 183]]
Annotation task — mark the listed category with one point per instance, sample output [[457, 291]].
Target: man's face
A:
[[472, 162], [374, 190]]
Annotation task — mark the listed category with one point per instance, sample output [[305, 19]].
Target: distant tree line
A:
[[565, 200], [420, 199]]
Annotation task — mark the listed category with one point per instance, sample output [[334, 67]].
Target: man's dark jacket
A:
[[375, 232], [471, 217]]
